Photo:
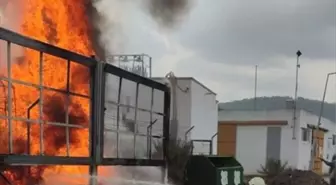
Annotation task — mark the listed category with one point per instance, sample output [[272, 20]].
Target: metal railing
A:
[[94, 125]]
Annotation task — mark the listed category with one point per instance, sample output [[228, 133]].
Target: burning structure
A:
[[52, 101]]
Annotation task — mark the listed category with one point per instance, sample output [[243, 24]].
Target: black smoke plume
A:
[[168, 13], [94, 17]]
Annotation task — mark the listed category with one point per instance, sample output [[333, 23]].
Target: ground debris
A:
[[297, 177]]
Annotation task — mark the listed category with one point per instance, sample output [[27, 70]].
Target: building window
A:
[[305, 134], [334, 139]]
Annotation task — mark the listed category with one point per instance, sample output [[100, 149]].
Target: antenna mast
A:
[[255, 87], [298, 54]]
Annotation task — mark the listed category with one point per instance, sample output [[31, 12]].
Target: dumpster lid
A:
[[220, 161]]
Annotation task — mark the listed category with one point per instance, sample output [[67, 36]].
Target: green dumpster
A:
[[213, 170]]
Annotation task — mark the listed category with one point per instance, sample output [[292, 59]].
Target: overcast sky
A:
[[219, 43]]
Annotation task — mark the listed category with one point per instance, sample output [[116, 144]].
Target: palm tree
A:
[[178, 155], [272, 168]]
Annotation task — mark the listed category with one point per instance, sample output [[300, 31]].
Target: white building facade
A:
[[197, 107], [255, 143]]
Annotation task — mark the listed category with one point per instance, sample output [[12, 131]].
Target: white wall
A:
[[251, 147], [204, 115], [289, 147], [196, 106], [183, 105], [304, 146]]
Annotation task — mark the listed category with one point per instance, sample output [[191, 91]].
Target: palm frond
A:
[[273, 167], [179, 152]]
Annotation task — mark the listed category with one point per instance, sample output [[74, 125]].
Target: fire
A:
[[62, 23]]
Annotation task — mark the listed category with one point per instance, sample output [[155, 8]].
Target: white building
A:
[[254, 136], [196, 106]]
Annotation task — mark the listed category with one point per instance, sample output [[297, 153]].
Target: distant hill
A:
[[279, 102]]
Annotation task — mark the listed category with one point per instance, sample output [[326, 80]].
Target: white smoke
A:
[[111, 21], [117, 17], [114, 19], [10, 12], [10, 17]]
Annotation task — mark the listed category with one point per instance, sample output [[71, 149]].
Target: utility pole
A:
[[255, 86], [298, 54]]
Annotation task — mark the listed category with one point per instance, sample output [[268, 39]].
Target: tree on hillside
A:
[[279, 102]]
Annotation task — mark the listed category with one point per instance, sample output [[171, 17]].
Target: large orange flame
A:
[[62, 23]]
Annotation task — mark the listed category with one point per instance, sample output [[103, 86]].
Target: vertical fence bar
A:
[[143, 66], [92, 146], [148, 142], [135, 118], [166, 127], [211, 147], [101, 123], [118, 114], [151, 121], [92, 120], [67, 104], [212, 140], [9, 101], [95, 147], [150, 67], [29, 124], [133, 62], [41, 104], [28, 132], [118, 62]]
